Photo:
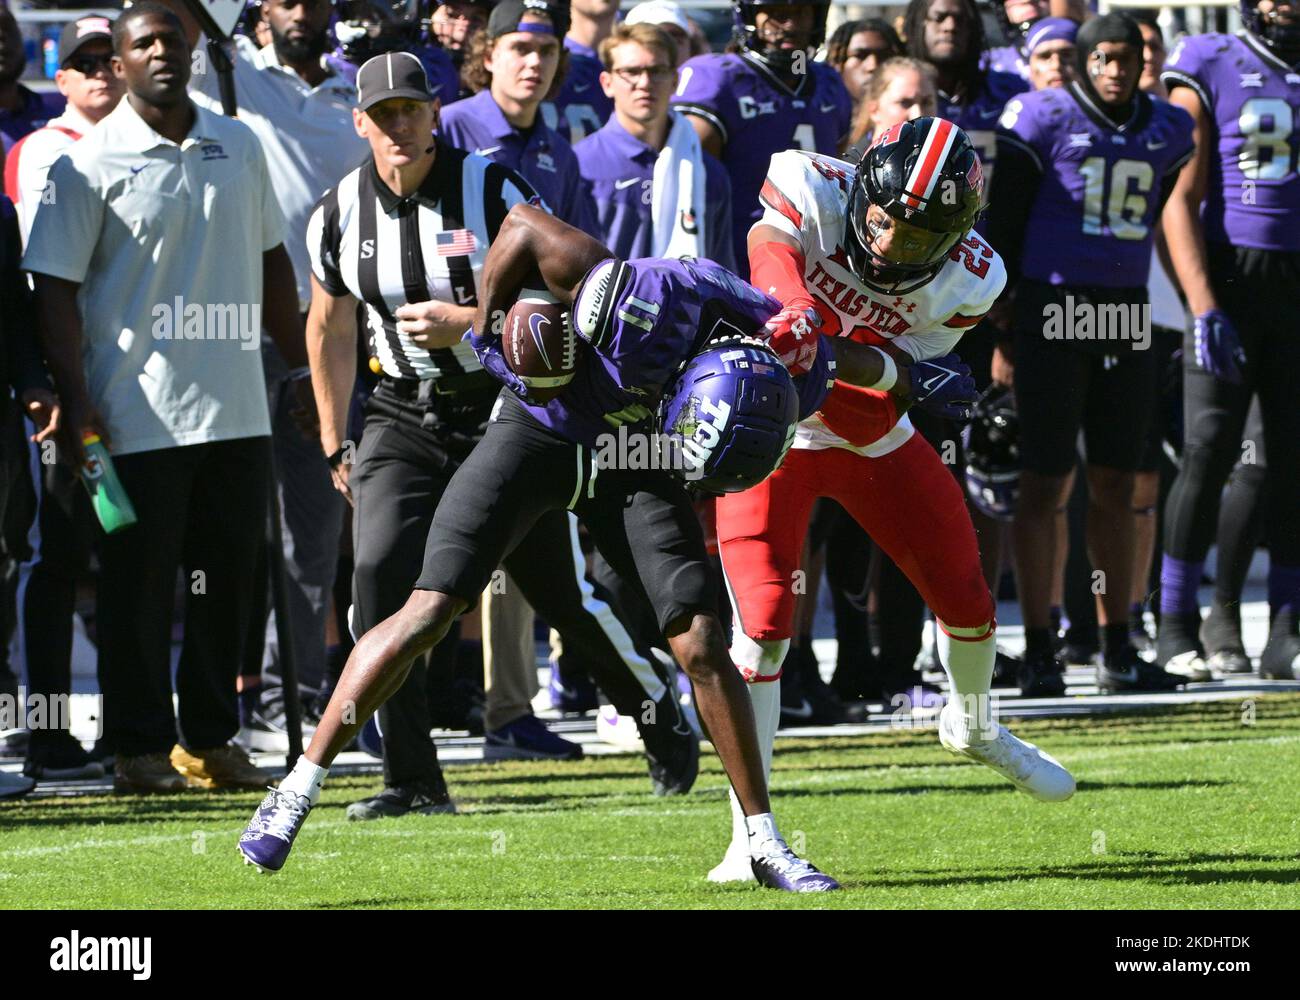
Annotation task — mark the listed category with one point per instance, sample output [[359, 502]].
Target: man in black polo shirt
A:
[[407, 233]]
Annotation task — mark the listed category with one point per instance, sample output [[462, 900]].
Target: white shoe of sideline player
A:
[[734, 867], [1023, 764]]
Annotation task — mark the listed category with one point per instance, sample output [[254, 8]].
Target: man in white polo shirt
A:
[[301, 111], [155, 271]]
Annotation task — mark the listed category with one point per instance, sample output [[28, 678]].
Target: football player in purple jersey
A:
[[581, 106], [1049, 46], [766, 96], [1016, 18], [1085, 170], [639, 324], [950, 35], [367, 28], [1233, 227]]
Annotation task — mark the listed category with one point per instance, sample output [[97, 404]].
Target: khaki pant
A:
[[509, 653]]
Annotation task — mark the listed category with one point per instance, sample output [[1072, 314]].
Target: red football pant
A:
[[907, 501]]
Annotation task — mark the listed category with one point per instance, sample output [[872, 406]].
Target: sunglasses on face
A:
[[89, 65]]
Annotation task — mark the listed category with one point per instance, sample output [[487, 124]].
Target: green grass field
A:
[[1190, 807]]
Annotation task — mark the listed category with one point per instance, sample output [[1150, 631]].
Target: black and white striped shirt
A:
[[386, 250]]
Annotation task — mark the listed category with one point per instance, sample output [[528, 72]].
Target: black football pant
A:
[[1257, 290], [403, 467]]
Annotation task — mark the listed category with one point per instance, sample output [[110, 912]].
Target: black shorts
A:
[[1109, 389], [641, 521]]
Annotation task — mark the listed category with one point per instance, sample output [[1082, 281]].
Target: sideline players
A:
[[1085, 172], [1233, 226], [877, 265], [766, 97], [638, 322]]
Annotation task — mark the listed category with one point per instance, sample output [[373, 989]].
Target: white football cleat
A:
[[734, 867], [1189, 666], [1023, 764]]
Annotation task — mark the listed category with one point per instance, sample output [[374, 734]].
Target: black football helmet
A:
[[745, 31], [991, 442], [368, 28], [926, 176], [1285, 37]]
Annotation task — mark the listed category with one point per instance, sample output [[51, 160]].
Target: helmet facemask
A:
[[751, 41], [889, 254]]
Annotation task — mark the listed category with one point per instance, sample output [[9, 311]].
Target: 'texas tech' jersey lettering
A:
[[806, 196]]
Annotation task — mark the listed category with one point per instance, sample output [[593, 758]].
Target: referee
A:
[[406, 233]]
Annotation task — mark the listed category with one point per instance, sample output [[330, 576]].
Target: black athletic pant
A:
[[200, 509], [403, 467], [59, 542], [1241, 516], [1257, 289]]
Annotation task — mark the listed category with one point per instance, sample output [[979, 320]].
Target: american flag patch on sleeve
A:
[[456, 243]]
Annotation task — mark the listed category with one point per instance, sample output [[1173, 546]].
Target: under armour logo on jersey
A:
[[1080, 139], [1252, 79], [367, 249]]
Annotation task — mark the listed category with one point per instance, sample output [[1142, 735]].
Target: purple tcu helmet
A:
[[729, 417], [992, 445]]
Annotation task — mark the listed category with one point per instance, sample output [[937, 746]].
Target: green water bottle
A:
[[112, 505]]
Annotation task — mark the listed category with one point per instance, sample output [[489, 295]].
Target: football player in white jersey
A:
[[879, 265]]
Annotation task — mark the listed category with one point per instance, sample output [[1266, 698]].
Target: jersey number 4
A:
[[1122, 208]]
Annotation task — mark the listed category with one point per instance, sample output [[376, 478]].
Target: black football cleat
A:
[[426, 798], [1128, 673], [672, 749], [1041, 676], [1280, 660]]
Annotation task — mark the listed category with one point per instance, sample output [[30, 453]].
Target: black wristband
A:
[[336, 458]]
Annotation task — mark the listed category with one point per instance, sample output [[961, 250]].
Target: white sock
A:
[[970, 672], [306, 779], [766, 700], [761, 829]]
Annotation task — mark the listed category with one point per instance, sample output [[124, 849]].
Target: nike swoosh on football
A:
[[620, 185], [486, 152]]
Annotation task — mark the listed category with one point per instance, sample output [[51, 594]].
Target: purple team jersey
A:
[[1094, 217], [540, 155], [1252, 197], [581, 107], [618, 170], [978, 118], [641, 319], [1010, 59], [36, 111], [758, 116], [444, 80]]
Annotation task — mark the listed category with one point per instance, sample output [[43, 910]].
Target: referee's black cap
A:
[[507, 15], [77, 33], [393, 74]]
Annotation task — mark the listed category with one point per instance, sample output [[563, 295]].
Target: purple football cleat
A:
[[778, 867], [270, 833]]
